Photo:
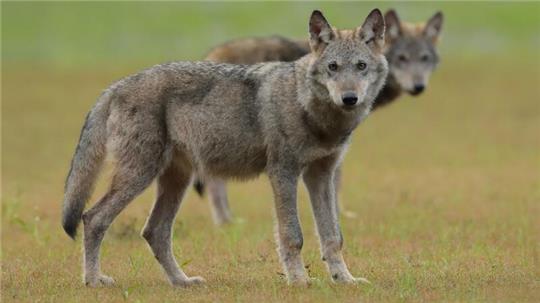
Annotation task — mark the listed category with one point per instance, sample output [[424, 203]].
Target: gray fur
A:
[[85, 166], [402, 39], [256, 50], [412, 56], [233, 121]]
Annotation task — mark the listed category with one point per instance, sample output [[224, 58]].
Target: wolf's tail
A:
[[85, 165], [199, 186]]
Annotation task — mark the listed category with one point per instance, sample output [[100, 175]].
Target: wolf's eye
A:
[[403, 58], [424, 58], [333, 66], [361, 65]]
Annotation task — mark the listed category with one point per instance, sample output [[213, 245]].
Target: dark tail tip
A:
[[198, 185], [70, 227]]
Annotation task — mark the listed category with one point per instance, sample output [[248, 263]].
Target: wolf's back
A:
[[86, 164], [257, 50]]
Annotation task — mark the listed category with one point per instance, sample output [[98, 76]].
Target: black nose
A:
[[349, 98], [418, 88]]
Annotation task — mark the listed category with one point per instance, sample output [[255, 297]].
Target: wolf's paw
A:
[[101, 280], [361, 280], [189, 281], [238, 220], [106, 280], [301, 280], [228, 221], [347, 278], [349, 214]]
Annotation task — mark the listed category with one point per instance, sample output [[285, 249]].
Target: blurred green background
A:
[[446, 185], [63, 34]]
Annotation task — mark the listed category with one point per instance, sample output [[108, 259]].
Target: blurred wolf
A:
[[288, 119], [259, 49], [410, 50], [411, 53]]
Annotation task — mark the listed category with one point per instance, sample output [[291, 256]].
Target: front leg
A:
[[288, 232], [319, 180]]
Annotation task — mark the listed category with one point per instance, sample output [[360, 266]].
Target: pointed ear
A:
[[393, 25], [372, 31], [433, 27], [320, 31]]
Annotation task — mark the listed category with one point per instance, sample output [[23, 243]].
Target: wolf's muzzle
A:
[[349, 98], [418, 89]]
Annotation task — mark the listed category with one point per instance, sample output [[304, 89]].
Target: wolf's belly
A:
[[221, 148], [241, 161]]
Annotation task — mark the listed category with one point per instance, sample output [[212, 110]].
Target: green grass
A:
[[446, 186]]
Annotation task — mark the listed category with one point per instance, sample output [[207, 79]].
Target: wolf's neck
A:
[[389, 93], [326, 119], [303, 44]]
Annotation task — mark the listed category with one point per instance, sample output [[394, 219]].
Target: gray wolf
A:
[[410, 50], [290, 120]]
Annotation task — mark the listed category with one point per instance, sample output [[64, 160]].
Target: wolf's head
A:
[[347, 67], [411, 51]]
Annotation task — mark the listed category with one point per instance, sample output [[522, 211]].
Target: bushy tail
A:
[[85, 165]]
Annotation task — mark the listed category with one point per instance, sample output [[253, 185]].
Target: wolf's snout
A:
[[349, 98], [418, 89]]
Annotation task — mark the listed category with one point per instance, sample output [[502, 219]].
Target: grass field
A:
[[446, 186]]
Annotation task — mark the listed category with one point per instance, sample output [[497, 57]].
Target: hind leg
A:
[[221, 212], [339, 204], [157, 231], [133, 174]]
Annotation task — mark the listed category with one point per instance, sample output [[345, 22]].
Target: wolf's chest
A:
[[316, 152]]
